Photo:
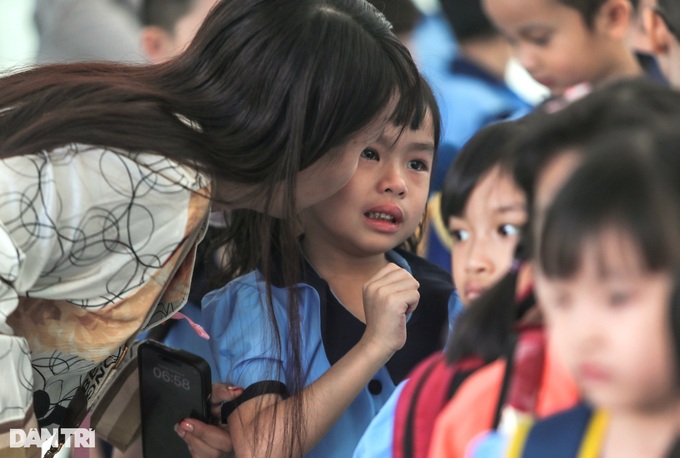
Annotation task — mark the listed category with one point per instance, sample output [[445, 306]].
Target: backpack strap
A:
[[505, 384], [403, 435], [431, 385], [523, 376]]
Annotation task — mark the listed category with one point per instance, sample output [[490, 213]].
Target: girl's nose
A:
[[478, 257], [394, 182]]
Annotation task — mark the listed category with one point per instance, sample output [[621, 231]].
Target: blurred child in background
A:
[[76, 31], [639, 39], [564, 43], [606, 262]]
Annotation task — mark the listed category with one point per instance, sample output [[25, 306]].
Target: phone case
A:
[[174, 384]]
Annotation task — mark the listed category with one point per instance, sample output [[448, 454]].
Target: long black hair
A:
[[268, 86]]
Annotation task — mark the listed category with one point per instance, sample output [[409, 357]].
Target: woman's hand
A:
[[210, 441]]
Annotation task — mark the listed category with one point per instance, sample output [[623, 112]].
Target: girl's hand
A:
[[389, 297], [210, 441]]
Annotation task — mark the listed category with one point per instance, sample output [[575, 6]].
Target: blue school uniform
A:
[[433, 44], [575, 433], [379, 435], [245, 350]]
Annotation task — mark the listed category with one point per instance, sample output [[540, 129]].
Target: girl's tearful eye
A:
[[418, 166], [370, 154]]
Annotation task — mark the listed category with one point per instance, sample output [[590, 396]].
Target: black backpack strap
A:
[[505, 386]]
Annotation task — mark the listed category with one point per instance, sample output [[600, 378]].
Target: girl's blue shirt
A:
[[246, 351]]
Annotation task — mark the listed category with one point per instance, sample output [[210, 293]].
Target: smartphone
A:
[[174, 384]]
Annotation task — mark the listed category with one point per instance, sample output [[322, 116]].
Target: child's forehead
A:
[[394, 134], [497, 192], [612, 253], [554, 173]]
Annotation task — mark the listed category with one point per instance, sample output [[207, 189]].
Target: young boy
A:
[[563, 43]]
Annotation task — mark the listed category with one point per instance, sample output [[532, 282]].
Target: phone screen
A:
[[172, 387]]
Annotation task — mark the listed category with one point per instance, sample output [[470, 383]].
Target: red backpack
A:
[[434, 382], [430, 387]]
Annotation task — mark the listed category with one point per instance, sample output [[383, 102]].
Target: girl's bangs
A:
[[611, 193]]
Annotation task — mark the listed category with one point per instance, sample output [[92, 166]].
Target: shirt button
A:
[[375, 387]]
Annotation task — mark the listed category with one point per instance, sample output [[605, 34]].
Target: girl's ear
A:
[[659, 35], [615, 18]]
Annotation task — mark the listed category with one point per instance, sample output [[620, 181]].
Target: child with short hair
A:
[[607, 256], [563, 43], [484, 211], [357, 305]]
